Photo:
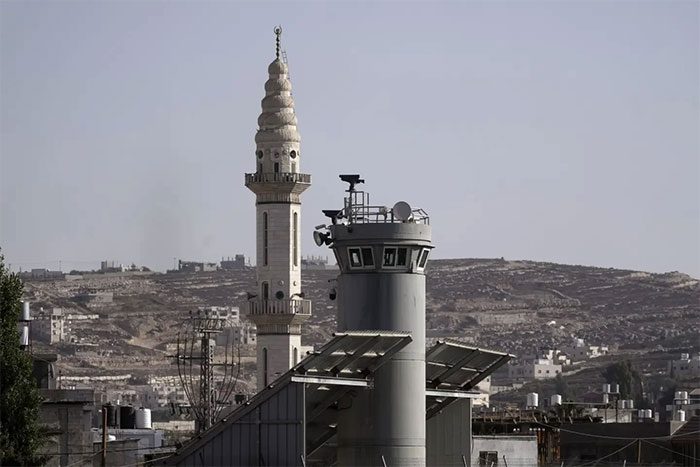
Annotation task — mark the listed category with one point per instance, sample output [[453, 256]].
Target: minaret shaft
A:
[[278, 309]]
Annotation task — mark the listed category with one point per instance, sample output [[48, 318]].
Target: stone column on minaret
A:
[[278, 309]]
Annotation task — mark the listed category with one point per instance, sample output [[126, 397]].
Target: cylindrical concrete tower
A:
[[382, 255], [278, 309]]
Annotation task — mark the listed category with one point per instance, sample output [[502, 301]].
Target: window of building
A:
[[292, 154], [277, 167], [294, 167], [361, 257], [355, 257], [265, 239], [295, 356], [265, 290], [295, 239], [394, 257], [259, 154], [401, 257], [260, 168], [488, 458], [389, 257], [367, 257], [422, 259]]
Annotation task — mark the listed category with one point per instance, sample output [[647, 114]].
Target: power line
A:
[[591, 435]]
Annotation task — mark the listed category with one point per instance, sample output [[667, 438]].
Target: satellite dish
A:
[[402, 211], [318, 238]]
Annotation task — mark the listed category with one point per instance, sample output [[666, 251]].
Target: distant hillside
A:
[[498, 304]]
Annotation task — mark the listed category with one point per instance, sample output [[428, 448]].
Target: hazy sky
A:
[[552, 130]]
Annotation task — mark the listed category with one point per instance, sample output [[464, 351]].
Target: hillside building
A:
[[233, 264], [49, 327], [686, 367]]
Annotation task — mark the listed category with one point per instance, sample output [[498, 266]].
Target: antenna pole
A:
[[104, 436]]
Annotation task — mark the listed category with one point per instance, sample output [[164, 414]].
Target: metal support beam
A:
[[329, 380]]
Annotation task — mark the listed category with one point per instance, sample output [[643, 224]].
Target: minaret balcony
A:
[[277, 182], [293, 307]]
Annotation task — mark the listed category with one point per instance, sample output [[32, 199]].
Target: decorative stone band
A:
[[278, 198], [263, 329]]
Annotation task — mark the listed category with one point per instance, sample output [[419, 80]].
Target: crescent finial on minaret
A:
[[278, 33]]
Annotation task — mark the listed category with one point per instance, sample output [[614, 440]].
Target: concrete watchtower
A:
[[382, 254], [278, 308]]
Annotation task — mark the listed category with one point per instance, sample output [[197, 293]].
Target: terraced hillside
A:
[[505, 305]]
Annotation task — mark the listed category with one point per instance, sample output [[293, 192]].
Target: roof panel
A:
[[453, 365]]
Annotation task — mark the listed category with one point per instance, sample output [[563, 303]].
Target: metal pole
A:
[[639, 451], [104, 436], [504, 460]]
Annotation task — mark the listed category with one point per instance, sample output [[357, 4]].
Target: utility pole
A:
[[104, 436]]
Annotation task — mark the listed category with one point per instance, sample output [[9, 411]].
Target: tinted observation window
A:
[[355, 259], [423, 259], [401, 257], [389, 257], [367, 257]]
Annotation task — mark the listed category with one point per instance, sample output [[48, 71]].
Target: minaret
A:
[[278, 309]]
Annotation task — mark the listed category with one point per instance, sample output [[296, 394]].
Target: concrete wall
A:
[[518, 450], [67, 417]]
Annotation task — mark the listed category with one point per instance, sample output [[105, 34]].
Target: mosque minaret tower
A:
[[278, 308]]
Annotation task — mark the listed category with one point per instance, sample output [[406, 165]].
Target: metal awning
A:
[[355, 354], [453, 370]]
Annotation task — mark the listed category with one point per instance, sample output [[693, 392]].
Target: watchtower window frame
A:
[[395, 257], [422, 259], [361, 257]]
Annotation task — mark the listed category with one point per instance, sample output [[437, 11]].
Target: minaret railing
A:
[[285, 177], [279, 307]]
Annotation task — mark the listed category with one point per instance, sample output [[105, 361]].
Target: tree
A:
[[627, 377], [20, 433], [561, 386]]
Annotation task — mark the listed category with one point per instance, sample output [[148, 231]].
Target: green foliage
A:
[[561, 387], [20, 434], [627, 377]]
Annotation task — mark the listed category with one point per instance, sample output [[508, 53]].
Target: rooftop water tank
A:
[[25, 311], [681, 415], [630, 404], [112, 415], [533, 400], [24, 338], [615, 388], [127, 417], [143, 418], [606, 399], [648, 413], [555, 400], [606, 388]]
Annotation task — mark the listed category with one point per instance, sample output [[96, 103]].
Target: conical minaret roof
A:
[[277, 124]]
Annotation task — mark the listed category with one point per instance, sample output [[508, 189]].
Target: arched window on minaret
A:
[[265, 239], [295, 356], [277, 167], [295, 239], [264, 362]]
